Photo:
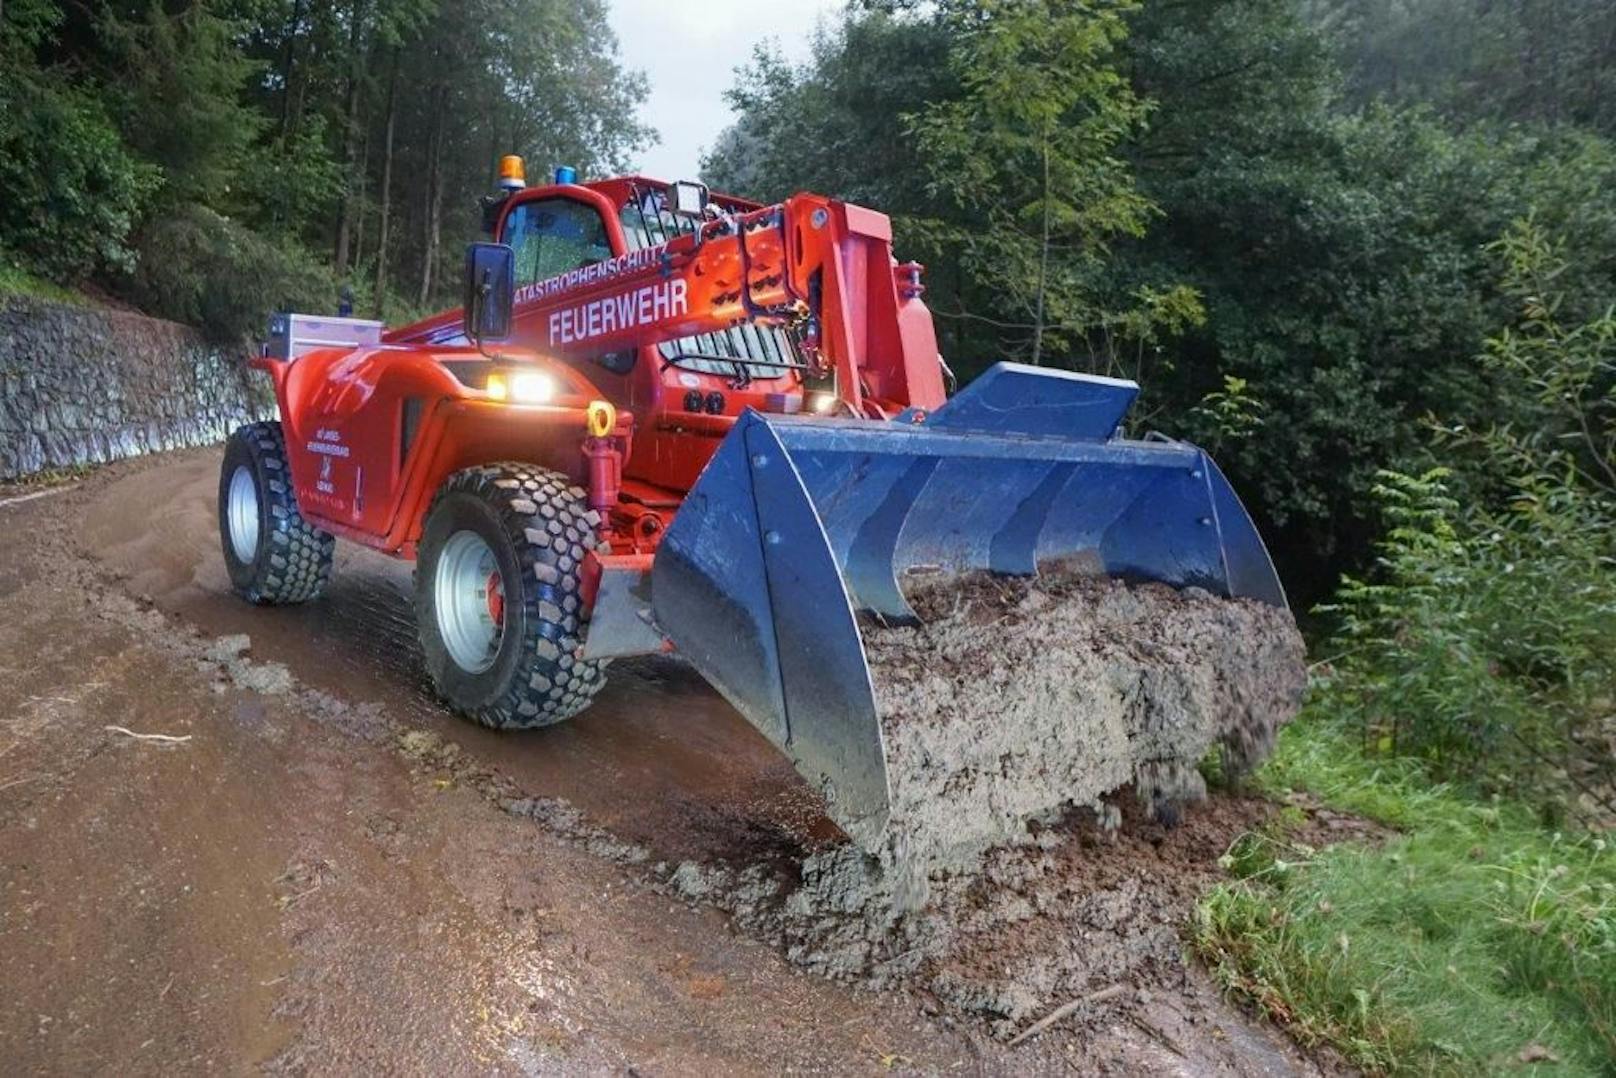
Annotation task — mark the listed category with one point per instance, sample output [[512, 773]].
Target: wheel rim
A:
[[241, 513], [469, 595]]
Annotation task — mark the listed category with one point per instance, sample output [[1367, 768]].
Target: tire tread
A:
[[550, 684], [298, 567]]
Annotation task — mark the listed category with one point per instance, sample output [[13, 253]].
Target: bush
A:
[[72, 192], [1485, 646], [198, 267]]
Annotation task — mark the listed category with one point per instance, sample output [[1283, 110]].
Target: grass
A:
[[14, 281], [50, 477], [1474, 941]]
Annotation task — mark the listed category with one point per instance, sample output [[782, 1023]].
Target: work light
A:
[[521, 387]]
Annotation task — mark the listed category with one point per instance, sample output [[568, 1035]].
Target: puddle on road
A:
[[660, 759]]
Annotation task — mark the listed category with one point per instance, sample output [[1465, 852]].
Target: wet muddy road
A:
[[282, 856], [212, 862], [659, 758]]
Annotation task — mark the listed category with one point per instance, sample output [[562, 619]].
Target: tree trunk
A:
[[387, 189], [1043, 268], [350, 133], [493, 154], [434, 193], [288, 61], [360, 183]]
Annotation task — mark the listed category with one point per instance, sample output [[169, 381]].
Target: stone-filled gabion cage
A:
[[88, 385]]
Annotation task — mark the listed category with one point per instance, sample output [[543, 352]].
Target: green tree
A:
[[73, 192], [870, 118], [1028, 154], [1340, 257], [1544, 62], [179, 99], [836, 123]]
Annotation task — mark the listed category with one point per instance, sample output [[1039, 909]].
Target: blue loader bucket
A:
[[800, 526]]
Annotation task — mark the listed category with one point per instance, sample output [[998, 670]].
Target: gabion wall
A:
[[82, 385]]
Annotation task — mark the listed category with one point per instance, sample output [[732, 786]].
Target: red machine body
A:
[[799, 295], [627, 472]]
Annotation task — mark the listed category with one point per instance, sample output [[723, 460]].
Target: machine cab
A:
[[700, 383]]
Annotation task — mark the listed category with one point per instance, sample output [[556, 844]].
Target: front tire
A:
[[272, 554], [498, 596]]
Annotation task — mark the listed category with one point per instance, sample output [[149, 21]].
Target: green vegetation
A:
[[201, 267], [1473, 941], [1228, 199], [209, 160], [1484, 645], [50, 477], [73, 192], [16, 282], [1026, 154], [1469, 704]]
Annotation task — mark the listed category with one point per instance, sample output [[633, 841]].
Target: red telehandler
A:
[[669, 420]]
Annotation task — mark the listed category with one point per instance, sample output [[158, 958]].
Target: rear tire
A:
[[497, 596], [272, 554]]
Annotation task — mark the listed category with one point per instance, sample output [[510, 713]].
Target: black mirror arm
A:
[[485, 288]]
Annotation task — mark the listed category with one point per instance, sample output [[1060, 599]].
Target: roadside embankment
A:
[[88, 385]]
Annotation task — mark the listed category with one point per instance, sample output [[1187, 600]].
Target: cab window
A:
[[554, 235], [744, 352]]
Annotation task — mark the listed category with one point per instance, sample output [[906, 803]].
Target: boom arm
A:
[[813, 263]]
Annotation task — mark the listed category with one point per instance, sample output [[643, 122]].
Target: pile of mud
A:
[[1016, 699], [1025, 722]]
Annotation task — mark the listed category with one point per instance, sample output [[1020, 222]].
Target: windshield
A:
[[763, 351]]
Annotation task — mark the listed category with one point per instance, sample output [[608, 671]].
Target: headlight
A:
[[521, 387]]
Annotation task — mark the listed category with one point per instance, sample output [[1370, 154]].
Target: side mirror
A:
[[490, 292], [687, 198]]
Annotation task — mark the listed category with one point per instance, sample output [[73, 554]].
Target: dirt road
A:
[[323, 872]]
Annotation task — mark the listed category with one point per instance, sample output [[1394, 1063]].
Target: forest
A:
[[1364, 251], [209, 162]]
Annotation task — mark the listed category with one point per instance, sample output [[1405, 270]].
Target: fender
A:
[[371, 433]]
